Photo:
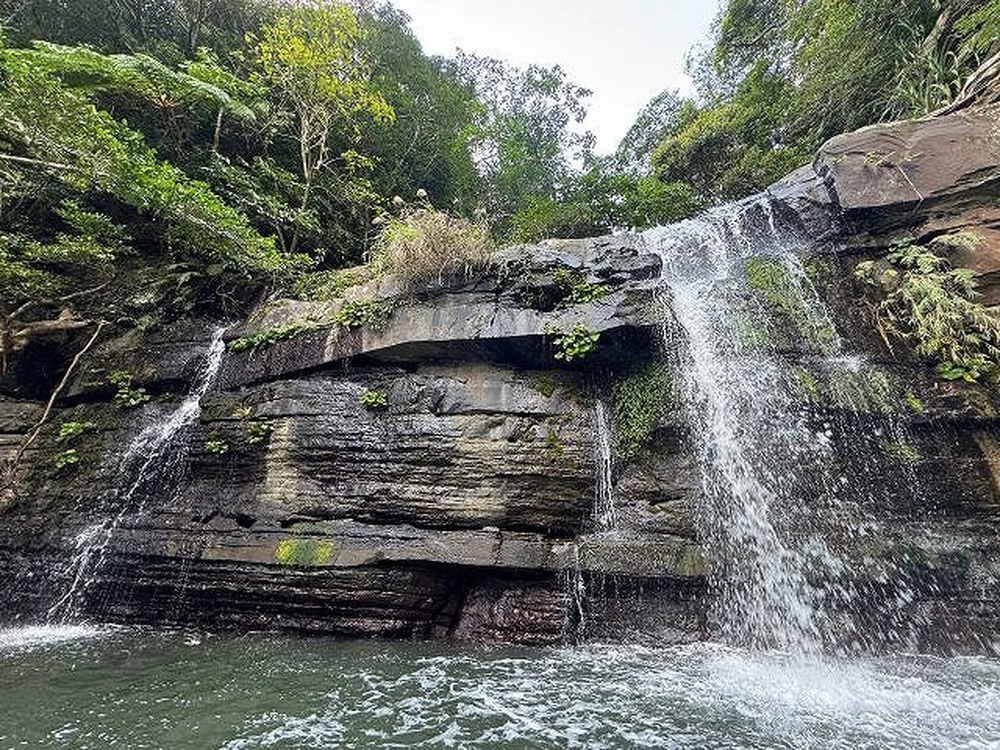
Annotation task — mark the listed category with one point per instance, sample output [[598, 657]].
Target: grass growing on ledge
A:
[[423, 244]]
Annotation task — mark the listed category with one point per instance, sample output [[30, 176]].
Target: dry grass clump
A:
[[424, 244]]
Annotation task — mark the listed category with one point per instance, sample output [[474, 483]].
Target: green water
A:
[[137, 689]]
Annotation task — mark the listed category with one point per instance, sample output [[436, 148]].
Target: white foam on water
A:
[[35, 636], [600, 696]]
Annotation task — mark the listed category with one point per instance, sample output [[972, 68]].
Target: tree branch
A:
[[34, 432]]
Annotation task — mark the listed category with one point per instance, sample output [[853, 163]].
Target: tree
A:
[[781, 77], [526, 143], [167, 29], [428, 143], [651, 125], [313, 60]]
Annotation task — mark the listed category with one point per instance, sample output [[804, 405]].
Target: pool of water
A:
[[101, 688]]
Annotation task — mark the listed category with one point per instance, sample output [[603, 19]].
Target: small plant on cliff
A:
[[127, 396], [267, 336], [256, 431], [575, 343], [576, 289], [368, 311], [422, 244], [215, 445], [69, 431], [65, 458], [374, 400], [935, 307], [641, 399]]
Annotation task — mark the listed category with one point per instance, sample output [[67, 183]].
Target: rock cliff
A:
[[433, 468]]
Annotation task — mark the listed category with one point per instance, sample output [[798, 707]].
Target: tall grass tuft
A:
[[423, 244]]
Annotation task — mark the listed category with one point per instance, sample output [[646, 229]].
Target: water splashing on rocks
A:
[[152, 463], [778, 506]]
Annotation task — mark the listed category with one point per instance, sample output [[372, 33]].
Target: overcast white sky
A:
[[625, 51]]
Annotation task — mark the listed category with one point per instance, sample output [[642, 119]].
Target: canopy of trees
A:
[[779, 77], [202, 151]]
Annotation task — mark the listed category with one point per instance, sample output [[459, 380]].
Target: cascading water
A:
[[776, 501], [604, 502], [153, 460]]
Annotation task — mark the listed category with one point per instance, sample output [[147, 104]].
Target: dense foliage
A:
[[160, 156], [778, 78]]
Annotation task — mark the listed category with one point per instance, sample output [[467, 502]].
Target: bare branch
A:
[[32, 434]]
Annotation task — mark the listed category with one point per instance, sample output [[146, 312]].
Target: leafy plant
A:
[[575, 343], [576, 289], [935, 307], [267, 336], [127, 396], [374, 400], [256, 431], [215, 445], [65, 458], [69, 431], [369, 311]]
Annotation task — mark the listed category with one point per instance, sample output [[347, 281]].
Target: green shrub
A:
[[935, 308], [369, 311], [576, 289], [575, 343], [256, 431], [544, 218], [216, 445], [423, 244], [69, 431], [65, 458]]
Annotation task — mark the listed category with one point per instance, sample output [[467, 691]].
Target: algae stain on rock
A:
[[304, 552]]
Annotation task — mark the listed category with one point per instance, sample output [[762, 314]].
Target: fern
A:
[[936, 308]]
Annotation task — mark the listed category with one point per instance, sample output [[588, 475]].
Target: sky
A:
[[625, 51]]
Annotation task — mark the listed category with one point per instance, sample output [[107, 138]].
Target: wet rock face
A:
[[436, 474]]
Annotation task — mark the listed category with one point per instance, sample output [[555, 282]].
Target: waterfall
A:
[[154, 460], [604, 502], [774, 498]]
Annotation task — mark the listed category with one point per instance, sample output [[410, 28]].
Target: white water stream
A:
[[605, 518], [743, 312], [150, 466]]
